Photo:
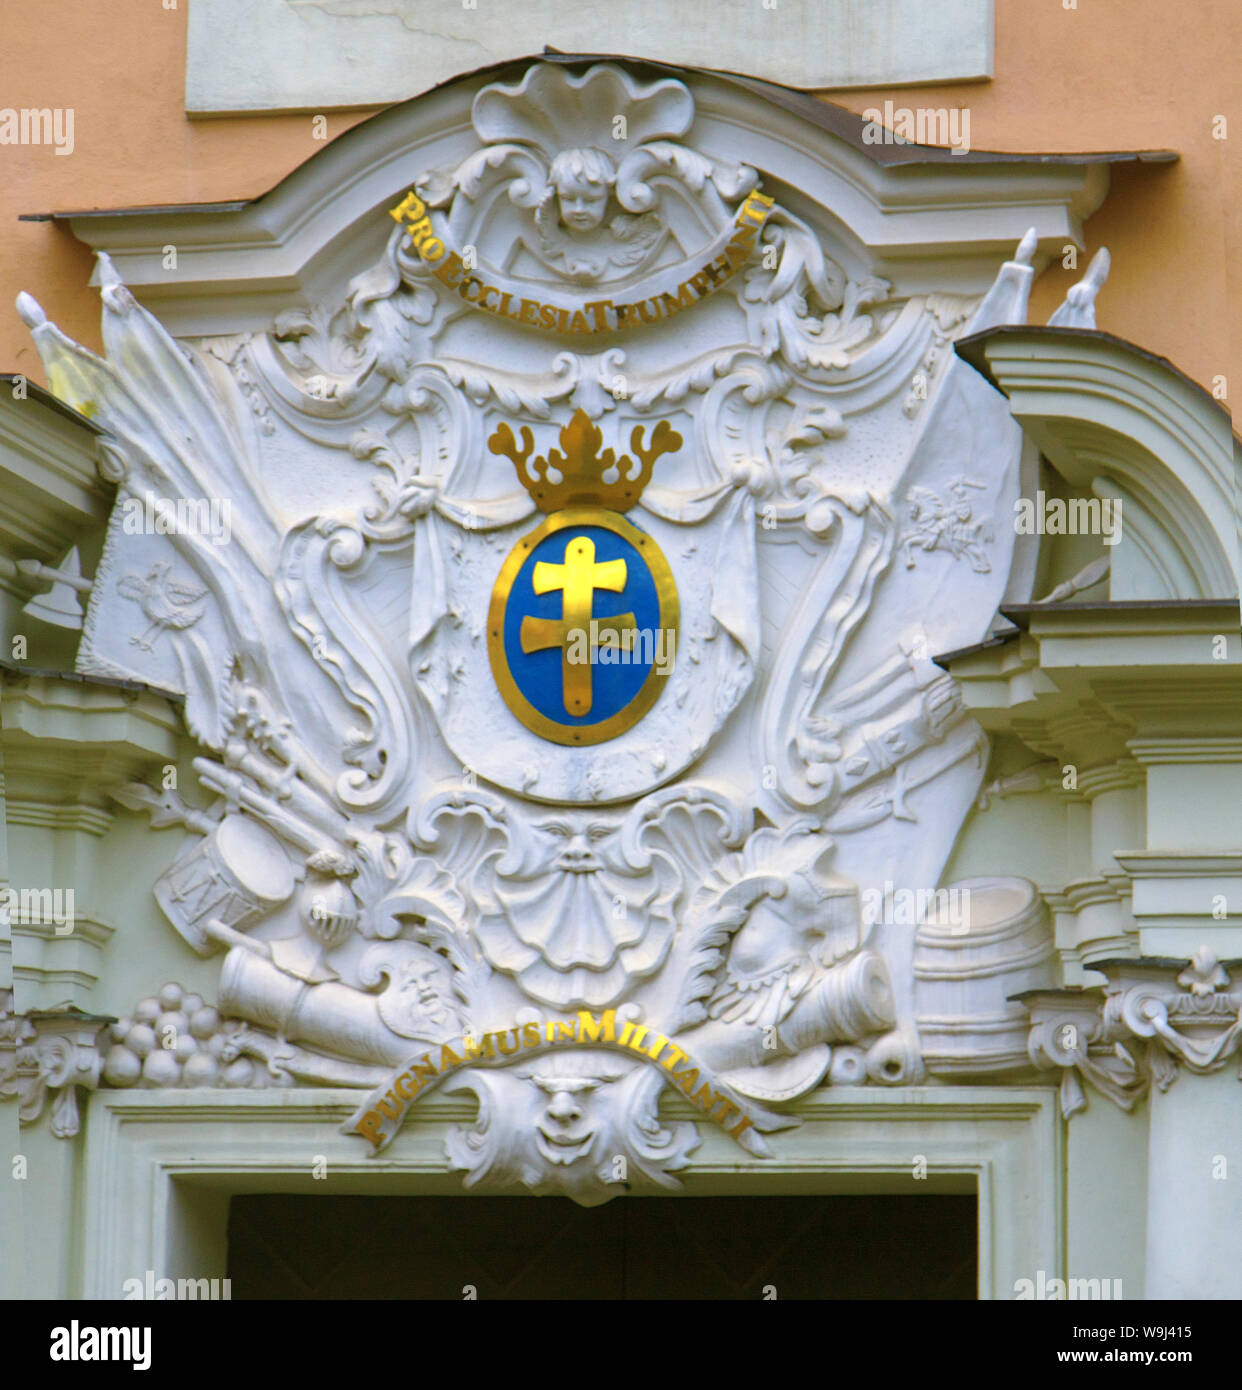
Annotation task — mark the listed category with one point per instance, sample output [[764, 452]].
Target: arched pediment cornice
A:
[[921, 218], [1111, 417]]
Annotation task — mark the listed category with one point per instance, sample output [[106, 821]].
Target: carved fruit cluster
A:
[[175, 1039]]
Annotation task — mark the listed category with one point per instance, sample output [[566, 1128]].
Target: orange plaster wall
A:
[[1128, 75], [1108, 75]]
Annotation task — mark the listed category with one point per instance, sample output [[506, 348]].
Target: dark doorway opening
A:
[[849, 1247]]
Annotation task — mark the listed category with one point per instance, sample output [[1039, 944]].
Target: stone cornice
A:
[[1106, 685], [51, 488], [52, 717]]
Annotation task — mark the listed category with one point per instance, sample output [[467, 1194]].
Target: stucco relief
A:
[[396, 868]]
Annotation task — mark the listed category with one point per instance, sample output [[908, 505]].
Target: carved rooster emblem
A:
[[167, 603]]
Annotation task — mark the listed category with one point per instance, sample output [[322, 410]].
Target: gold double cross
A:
[[577, 579]]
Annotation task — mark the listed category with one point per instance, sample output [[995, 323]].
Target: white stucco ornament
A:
[[410, 884]]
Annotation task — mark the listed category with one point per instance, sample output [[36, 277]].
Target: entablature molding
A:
[[1154, 1019], [53, 492], [1103, 685], [96, 731]]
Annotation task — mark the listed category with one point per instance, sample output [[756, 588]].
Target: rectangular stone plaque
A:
[[317, 55]]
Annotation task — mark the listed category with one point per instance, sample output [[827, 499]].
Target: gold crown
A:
[[582, 466]]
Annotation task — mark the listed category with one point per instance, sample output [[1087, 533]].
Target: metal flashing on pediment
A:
[[848, 126], [11, 671], [827, 116], [69, 1013], [997, 639], [142, 210], [1160, 963], [44, 398], [1020, 614]]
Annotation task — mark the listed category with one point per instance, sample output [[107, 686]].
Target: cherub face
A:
[[582, 204]]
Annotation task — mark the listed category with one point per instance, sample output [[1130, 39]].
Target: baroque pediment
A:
[[584, 377]]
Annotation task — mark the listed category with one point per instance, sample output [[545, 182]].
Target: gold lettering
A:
[[370, 1126], [742, 1125], [713, 1100], [636, 1042], [605, 1030], [450, 270], [675, 1055], [686, 1079], [564, 1031], [424, 1069], [500, 1040], [404, 1089], [419, 231], [739, 248], [595, 316], [719, 269], [599, 310], [657, 1047], [448, 1058], [683, 300], [530, 1035], [409, 206]]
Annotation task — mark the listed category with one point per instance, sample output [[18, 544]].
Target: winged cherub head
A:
[[583, 180]]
